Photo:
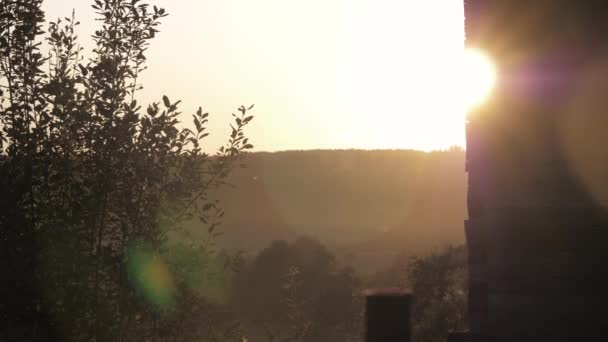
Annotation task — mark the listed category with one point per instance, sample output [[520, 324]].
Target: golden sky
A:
[[322, 73]]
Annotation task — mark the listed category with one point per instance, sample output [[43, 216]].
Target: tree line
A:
[[298, 292]]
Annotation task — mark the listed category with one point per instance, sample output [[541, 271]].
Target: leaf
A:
[[166, 101], [251, 107], [83, 70], [197, 124]]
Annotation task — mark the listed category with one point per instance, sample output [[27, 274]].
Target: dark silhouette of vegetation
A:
[[93, 186], [297, 292], [439, 285]]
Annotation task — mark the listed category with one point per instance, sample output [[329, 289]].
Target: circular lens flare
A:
[[152, 277], [478, 78]]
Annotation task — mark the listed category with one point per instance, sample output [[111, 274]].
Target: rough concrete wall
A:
[[511, 27], [538, 167]]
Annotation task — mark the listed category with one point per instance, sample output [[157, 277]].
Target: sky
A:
[[323, 74]]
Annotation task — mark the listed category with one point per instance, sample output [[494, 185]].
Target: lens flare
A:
[[478, 78], [152, 277]]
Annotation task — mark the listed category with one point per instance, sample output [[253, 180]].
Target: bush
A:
[[439, 286], [93, 185]]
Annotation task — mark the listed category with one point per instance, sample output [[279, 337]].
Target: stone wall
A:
[[537, 163]]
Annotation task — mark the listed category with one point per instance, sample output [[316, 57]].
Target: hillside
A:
[[359, 202]]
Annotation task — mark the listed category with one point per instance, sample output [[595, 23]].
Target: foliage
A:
[[296, 292], [438, 282], [93, 185], [299, 324]]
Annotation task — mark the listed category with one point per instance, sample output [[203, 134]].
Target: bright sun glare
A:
[[479, 77], [436, 93], [399, 81]]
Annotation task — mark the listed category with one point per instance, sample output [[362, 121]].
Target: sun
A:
[[478, 77], [414, 95]]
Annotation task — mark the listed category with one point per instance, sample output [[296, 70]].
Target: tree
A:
[[297, 293], [438, 282], [92, 184]]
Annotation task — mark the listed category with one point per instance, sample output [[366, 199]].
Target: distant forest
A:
[[366, 205], [318, 227]]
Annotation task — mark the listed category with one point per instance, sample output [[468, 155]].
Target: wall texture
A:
[[537, 162]]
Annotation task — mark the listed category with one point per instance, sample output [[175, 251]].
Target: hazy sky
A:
[[322, 73]]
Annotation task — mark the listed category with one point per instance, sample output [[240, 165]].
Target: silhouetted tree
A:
[[297, 292], [438, 282], [93, 185]]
